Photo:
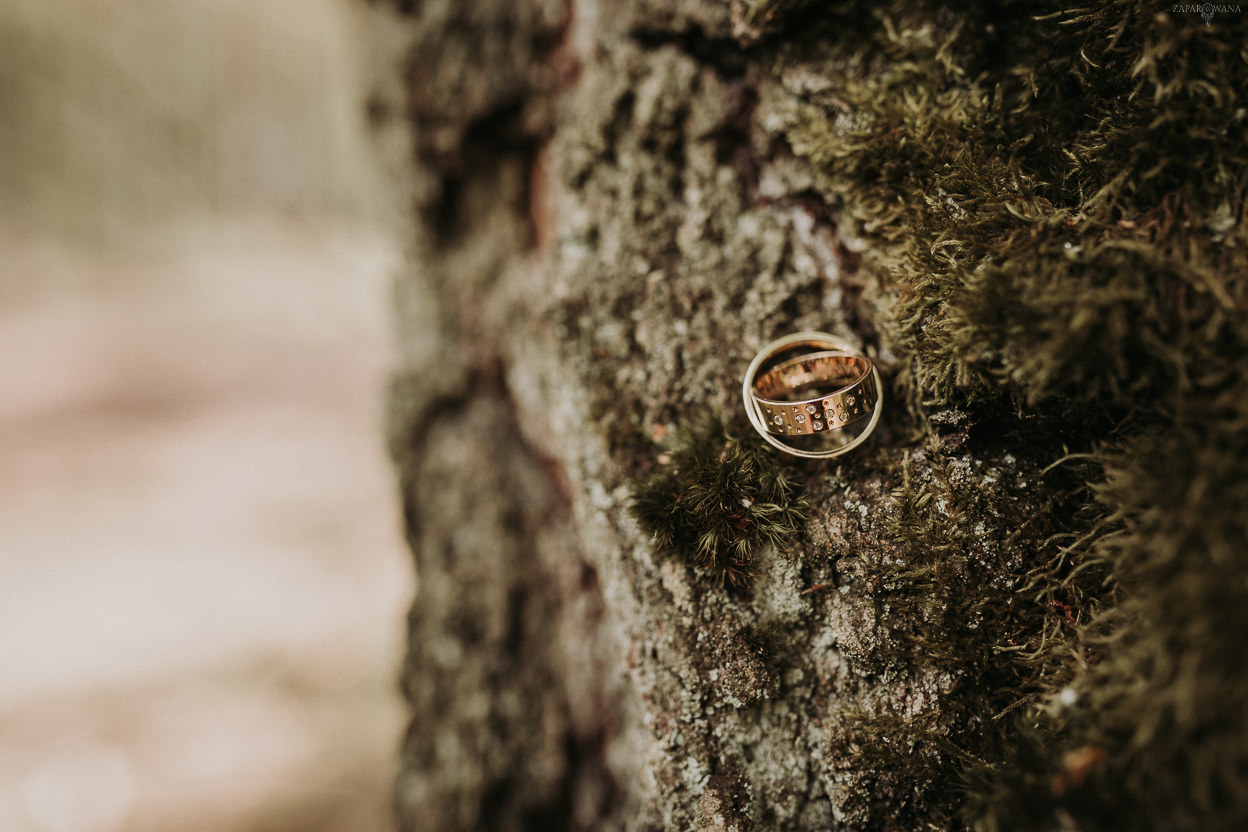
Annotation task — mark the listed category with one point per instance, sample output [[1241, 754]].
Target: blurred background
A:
[[202, 577]]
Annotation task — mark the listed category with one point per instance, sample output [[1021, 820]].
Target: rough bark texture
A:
[[612, 226], [615, 211], [580, 281]]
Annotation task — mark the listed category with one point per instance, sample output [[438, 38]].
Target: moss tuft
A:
[[1028, 173], [718, 501]]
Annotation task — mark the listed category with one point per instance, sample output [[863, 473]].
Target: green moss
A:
[[956, 563], [717, 501], [1039, 159], [1056, 205], [962, 597], [912, 768], [1164, 694]]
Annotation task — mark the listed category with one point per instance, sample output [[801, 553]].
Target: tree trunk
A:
[[617, 205]]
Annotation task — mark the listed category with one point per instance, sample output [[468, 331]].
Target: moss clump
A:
[[717, 501], [1058, 209], [1046, 189], [1161, 701]]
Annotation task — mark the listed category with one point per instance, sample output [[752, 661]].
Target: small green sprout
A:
[[718, 501]]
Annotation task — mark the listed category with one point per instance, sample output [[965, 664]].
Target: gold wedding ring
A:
[[811, 386]]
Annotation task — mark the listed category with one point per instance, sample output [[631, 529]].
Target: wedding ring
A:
[[853, 397], [812, 386]]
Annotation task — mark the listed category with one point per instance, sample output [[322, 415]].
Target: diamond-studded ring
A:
[[811, 386]]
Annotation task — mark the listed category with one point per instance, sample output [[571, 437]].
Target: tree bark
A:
[[612, 222], [617, 204]]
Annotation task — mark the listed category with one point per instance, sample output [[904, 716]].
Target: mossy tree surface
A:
[[719, 502], [1021, 607]]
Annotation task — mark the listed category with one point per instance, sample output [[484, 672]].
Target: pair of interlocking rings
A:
[[814, 389]]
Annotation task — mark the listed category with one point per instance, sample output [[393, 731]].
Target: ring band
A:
[[846, 404], [781, 379]]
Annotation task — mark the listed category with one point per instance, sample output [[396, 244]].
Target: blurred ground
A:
[[203, 580]]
